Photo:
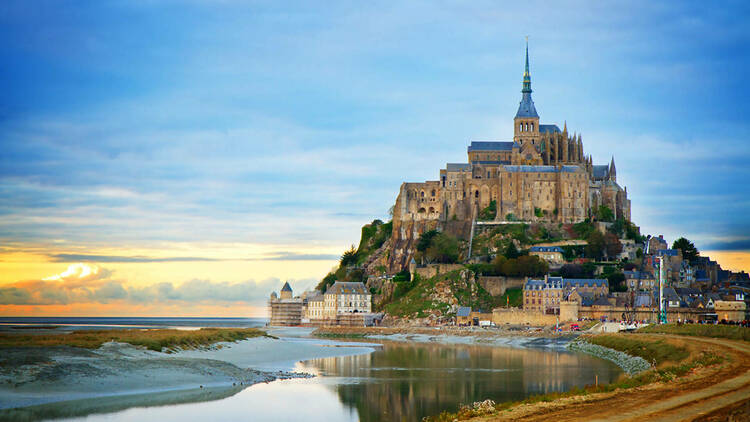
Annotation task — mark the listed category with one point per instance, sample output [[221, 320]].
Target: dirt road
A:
[[709, 395]]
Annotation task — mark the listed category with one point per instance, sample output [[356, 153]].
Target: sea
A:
[[108, 323]]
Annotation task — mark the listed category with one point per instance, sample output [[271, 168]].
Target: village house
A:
[[639, 280], [552, 254], [545, 295]]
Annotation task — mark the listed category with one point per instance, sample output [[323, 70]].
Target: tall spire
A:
[[526, 74], [526, 108]]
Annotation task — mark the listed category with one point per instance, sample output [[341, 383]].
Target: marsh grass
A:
[[732, 332], [656, 352], [157, 340]]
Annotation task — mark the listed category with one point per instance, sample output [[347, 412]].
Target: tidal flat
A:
[[367, 379]]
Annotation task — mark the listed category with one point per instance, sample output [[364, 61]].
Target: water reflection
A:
[[409, 381], [398, 382]]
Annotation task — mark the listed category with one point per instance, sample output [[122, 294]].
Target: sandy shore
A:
[[38, 376], [455, 335]]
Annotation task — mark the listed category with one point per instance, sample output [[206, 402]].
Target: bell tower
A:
[[526, 122]]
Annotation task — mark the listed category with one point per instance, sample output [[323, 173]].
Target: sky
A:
[[185, 158]]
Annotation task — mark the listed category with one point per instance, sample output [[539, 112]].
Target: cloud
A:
[[63, 257], [293, 256], [86, 283], [729, 245]]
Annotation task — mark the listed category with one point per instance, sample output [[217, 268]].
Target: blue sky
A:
[[139, 124]]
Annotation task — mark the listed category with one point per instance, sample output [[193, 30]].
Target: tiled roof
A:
[[491, 146], [585, 282], [549, 129], [540, 169], [668, 252], [463, 311], [347, 287], [526, 107], [491, 162], [600, 172], [601, 301], [286, 288], [545, 249], [643, 275]]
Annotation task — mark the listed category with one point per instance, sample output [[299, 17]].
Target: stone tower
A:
[[526, 122], [286, 291]]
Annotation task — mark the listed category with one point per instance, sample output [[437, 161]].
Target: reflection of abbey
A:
[[542, 175]]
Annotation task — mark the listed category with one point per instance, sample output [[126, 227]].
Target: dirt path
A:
[[687, 400]]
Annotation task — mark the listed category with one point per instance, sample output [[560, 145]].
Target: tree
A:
[[612, 245], [571, 271], [603, 213], [511, 252], [443, 249], [425, 239], [498, 263], [689, 251], [349, 257], [489, 212], [595, 247], [617, 282], [328, 280]]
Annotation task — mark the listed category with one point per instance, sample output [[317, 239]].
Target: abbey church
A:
[[542, 175]]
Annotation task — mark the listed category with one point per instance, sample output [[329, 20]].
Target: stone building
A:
[[545, 295], [285, 309], [346, 297], [552, 254], [541, 175]]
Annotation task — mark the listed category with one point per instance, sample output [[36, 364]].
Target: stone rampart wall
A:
[[515, 316], [497, 285], [432, 270]]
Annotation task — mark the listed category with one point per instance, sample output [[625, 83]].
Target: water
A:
[[99, 323], [398, 382]]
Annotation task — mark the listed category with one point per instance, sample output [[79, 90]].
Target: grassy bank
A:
[[656, 352], [675, 362], [731, 332], [151, 339]]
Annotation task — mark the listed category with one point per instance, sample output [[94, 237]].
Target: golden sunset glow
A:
[[234, 278]]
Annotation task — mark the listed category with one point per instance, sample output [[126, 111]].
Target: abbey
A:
[[542, 175]]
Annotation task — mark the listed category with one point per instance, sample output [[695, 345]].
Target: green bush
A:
[[489, 212]]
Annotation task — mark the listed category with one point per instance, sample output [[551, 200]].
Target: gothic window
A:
[[532, 127], [476, 194], [433, 192], [422, 194]]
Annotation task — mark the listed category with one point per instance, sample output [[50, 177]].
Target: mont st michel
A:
[[306, 212]]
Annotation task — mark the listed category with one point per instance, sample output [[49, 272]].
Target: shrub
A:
[[489, 212]]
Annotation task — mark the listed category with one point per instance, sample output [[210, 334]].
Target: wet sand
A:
[[123, 375]]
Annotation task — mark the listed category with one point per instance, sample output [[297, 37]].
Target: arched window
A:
[[520, 127], [422, 194], [476, 194], [532, 126], [433, 192]]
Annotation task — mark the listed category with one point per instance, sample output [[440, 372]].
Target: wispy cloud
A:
[[64, 257], [293, 256], [85, 283]]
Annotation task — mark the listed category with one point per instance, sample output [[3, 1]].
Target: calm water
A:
[[398, 382]]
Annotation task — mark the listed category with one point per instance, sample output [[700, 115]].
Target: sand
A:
[[38, 376]]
